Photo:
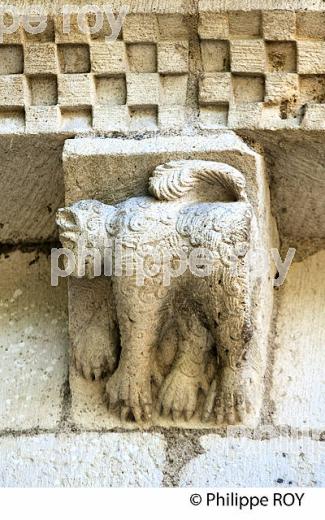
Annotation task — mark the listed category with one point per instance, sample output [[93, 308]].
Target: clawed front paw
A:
[[228, 404], [92, 356], [178, 395], [129, 396]]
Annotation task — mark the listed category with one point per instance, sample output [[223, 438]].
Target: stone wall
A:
[[186, 69]]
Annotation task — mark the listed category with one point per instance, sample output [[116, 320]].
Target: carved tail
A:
[[173, 180]]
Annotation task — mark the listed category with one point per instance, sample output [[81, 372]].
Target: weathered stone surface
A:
[[247, 56], [298, 374], [31, 186], [215, 88], [252, 42], [296, 166], [230, 462], [96, 309], [86, 460], [33, 343], [255, 66]]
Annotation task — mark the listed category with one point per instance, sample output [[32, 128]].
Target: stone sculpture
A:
[[179, 347]]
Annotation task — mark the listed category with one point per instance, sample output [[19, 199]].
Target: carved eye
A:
[[138, 223], [84, 205], [111, 226], [93, 224], [97, 209]]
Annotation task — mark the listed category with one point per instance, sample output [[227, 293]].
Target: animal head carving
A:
[[82, 230]]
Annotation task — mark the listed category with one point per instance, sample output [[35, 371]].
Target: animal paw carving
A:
[[92, 354], [129, 395], [179, 393], [228, 403]]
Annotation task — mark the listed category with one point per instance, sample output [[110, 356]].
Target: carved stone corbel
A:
[[181, 339]]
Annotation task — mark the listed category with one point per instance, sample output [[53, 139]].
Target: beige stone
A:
[[142, 57], [23, 170], [245, 23], [140, 28], [112, 118], [173, 57], [215, 88], [310, 25], [314, 117], [142, 89], [279, 25], [298, 373], [310, 57], [173, 90], [280, 462], [93, 361], [281, 86], [213, 26], [42, 119], [173, 27], [247, 56], [11, 59], [33, 343], [73, 59], [108, 58], [40, 58], [84, 460], [247, 89], [181, 72], [12, 89], [75, 90], [245, 116], [214, 116], [215, 55], [248, 43], [171, 117]]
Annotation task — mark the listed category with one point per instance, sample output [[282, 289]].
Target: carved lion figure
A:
[[206, 315]]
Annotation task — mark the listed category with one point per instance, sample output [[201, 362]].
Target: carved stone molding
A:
[[189, 351], [258, 67]]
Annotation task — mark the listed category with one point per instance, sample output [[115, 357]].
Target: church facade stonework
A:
[[162, 237]]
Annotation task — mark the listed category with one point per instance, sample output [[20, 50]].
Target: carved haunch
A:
[[183, 329]]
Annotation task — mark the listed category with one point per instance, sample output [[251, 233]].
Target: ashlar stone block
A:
[[40, 58], [140, 28], [247, 56], [281, 86], [215, 88], [33, 343], [12, 90], [83, 460], [279, 25], [142, 89], [310, 57], [282, 462], [108, 57], [75, 90], [298, 389], [42, 119], [173, 57], [213, 26]]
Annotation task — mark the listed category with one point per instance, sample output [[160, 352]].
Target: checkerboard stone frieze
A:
[[57, 80], [268, 65], [268, 68]]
